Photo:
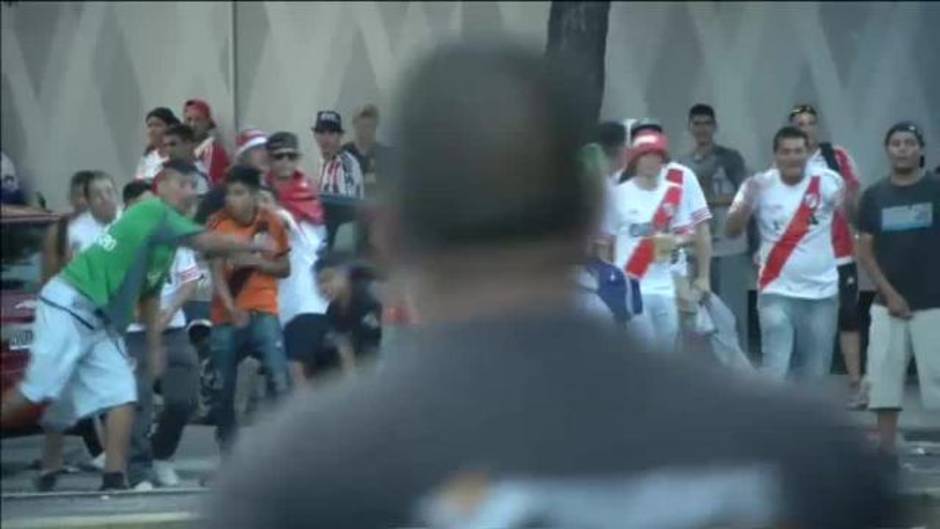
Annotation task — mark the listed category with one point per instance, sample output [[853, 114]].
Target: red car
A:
[[22, 229]]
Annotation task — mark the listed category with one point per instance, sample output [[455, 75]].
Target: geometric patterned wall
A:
[[77, 78], [296, 58], [865, 65]]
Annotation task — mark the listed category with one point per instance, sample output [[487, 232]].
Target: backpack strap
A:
[[829, 154]]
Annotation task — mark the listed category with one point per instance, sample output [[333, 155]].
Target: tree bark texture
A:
[[577, 40]]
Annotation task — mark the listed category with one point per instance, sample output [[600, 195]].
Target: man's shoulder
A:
[[727, 153]]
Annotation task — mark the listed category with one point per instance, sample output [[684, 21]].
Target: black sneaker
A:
[[46, 481], [113, 481]]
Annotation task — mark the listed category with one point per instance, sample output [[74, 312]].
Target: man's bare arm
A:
[[214, 244]]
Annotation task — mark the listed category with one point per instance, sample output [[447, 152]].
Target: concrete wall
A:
[[77, 78]]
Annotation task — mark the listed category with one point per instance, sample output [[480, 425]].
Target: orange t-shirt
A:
[[257, 291]]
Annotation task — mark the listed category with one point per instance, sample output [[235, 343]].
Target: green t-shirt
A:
[[130, 260]]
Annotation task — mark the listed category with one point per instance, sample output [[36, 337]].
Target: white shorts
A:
[[77, 362], [889, 353]]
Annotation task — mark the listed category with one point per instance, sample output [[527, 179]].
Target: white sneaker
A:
[[98, 462], [143, 486], [165, 474]]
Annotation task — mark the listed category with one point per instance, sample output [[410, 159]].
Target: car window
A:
[[22, 256]]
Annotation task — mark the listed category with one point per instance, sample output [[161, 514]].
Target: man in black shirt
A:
[[507, 407], [353, 316], [899, 224]]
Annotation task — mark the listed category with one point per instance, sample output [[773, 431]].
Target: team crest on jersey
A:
[[811, 200]]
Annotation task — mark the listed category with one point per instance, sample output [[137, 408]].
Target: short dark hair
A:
[[787, 133], [245, 175], [511, 159], [93, 176], [164, 114], [134, 189], [181, 131], [701, 109], [80, 178], [802, 108], [611, 135], [180, 166]]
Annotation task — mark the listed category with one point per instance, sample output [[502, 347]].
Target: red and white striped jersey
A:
[[795, 223], [842, 239]]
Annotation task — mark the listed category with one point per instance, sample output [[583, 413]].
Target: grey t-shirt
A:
[[553, 420], [719, 173]]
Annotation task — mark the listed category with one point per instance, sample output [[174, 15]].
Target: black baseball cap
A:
[[905, 126], [327, 121], [282, 141]]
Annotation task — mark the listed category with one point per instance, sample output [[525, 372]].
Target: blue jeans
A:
[[263, 337], [797, 335]]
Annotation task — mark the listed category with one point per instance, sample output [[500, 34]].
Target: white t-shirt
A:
[[183, 270], [150, 164], [84, 230], [629, 217], [298, 293], [810, 270], [694, 199]]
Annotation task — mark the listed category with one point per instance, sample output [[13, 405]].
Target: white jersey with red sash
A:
[[795, 224], [633, 215], [695, 203]]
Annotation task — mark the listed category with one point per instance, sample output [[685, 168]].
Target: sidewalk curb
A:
[[177, 520]]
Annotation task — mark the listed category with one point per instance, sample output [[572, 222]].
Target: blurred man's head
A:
[[283, 154], [333, 275], [135, 192], [158, 120], [241, 193], [492, 169], [250, 149], [176, 185], [77, 190], [612, 137], [365, 123], [804, 117], [702, 124], [904, 144], [101, 197], [198, 115], [328, 132], [791, 153], [179, 143]]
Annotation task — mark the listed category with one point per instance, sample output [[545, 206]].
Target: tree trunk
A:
[[577, 39]]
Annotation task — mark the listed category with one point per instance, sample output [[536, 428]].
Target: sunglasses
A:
[[286, 156], [802, 109]]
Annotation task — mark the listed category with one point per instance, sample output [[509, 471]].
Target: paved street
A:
[[76, 495]]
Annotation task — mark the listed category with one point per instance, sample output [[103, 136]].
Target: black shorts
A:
[[848, 297], [304, 337]]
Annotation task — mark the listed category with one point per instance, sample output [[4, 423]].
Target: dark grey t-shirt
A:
[[552, 420], [905, 223]]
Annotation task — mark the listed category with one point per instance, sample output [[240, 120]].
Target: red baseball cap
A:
[[202, 107], [646, 142]]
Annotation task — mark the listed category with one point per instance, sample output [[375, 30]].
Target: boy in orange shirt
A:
[[245, 304]]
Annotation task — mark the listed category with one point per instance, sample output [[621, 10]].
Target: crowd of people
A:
[[255, 246], [298, 303]]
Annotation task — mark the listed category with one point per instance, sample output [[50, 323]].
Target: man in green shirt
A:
[[79, 363]]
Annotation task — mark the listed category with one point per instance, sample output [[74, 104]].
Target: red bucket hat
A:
[[646, 142]]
